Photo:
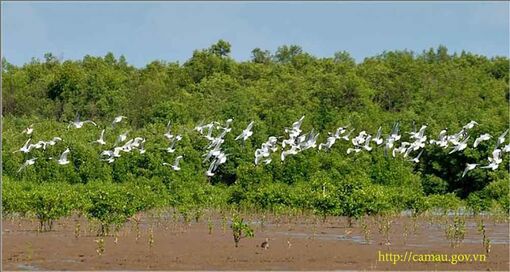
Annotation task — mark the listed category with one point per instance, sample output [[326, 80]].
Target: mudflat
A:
[[294, 244]]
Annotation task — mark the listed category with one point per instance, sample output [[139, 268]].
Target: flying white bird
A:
[[209, 172], [469, 167], [101, 139], [292, 151], [78, 124], [378, 137], [417, 158], [481, 138], [171, 148], [168, 134], [25, 148], [53, 141], [496, 156], [175, 166], [506, 148], [118, 119], [121, 138], [367, 146], [329, 142], [501, 138], [346, 136], [470, 125], [246, 132], [350, 150], [63, 158], [461, 146], [28, 130], [493, 166], [27, 163]]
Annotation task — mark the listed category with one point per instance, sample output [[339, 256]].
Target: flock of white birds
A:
[[295, 143]]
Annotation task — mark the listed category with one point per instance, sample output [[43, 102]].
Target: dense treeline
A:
[[274, 90]]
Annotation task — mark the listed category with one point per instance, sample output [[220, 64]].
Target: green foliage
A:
[[240, 229], [273, 90]]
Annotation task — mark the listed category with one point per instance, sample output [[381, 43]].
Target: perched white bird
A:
[[101, 140], [118, 119], [246, 132], [469, 167], [63, 158], [27, 163], [175, 166], [481, 138], [28, 130]]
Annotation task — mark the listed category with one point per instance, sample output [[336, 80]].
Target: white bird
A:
[[246, 132], [350, 150], [53, 141], [25, 148], [168, 134], [175, 166], [101, 139], [28, 130], [394, 132], [461, 146], [121, 138], [378, 139], [469, 167], [506, 148], [367, 146], [420, 135], [292, 151], [346, 136], [501, 138], [78, 124], [63, 158], [442, 139], [27, 163], [417, 158], [493, 166], [171, 148], [38, 145], [470, 125], [481, 138], [329, 142], [118, 119], [296, 126], [496, 156], [209, 172], [226, 128], [339, 131]]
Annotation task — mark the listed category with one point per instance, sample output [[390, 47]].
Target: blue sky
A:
[[147, 31]]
